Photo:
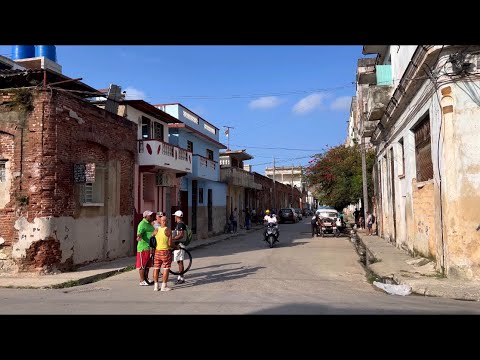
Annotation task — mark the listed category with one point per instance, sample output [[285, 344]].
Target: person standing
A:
[[163, 256], [248, 219], [235, 220], [156, 223], [144, 231], [178, 255], [369, 223]]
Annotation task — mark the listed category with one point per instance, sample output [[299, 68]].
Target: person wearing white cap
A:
[[144, 232], [178, 255]]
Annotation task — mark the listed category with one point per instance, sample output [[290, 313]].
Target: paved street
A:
[[300, 275]]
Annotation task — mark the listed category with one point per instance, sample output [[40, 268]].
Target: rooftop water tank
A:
[[23, 52], [48, 51]]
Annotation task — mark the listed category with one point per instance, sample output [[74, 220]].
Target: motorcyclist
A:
[[315, 224], [270, 218]]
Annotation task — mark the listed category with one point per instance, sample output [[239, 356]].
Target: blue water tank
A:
[[48, 51], [23, 52]]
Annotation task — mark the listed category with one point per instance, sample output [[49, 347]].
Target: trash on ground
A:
[[401, 290]]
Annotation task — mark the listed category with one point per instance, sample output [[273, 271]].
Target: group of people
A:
[[360, 220], [233, 219], [161, 254]]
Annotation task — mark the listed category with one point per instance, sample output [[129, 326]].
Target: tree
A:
[[336, 175]]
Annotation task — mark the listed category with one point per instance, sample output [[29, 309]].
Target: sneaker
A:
[[144, 283], [166, 289], [179, 281], [155, 287]]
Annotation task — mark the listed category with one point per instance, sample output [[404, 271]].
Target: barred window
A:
[[423, 150], [94, 191]]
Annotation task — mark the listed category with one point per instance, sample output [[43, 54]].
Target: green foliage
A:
[[337, 175]]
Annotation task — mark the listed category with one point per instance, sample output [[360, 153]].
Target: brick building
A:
[[66, 175], [265, 198]]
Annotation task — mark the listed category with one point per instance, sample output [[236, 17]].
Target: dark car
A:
[[287, 214]]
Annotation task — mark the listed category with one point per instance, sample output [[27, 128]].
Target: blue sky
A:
[[295, 97]]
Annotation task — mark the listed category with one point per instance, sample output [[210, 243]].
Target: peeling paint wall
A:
[[461, 180], [439, 216], [424, 218], [80, 240]]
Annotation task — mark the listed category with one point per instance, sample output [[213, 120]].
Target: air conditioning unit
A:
[[162, 179]]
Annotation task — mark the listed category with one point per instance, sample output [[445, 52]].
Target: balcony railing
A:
[[164, 156], [205, 168], [238, 177]]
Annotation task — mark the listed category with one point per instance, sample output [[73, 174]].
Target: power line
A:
[[271, 148]]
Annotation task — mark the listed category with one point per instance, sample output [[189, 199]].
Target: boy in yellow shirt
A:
[[163, 255]]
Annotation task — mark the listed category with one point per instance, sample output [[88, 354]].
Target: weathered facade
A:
[[427, 153], [241, 183], [66, 179], [202, 196], [160, 165], [274, 197]]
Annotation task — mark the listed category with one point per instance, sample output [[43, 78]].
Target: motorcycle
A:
[[271, 234]]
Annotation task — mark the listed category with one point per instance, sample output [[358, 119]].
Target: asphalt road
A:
[[300, 275]]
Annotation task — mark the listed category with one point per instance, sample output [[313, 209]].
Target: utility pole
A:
[[364, 178], [291, 204], [227, 134], [274, 194]]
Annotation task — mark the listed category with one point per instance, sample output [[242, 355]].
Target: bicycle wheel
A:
[[187, 263]]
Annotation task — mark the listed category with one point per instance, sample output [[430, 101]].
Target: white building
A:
[[421, 108]]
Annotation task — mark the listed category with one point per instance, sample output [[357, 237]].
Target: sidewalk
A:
[[389, 262], [95, 271]]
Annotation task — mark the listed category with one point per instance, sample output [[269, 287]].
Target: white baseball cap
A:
[[147, 213], [178, 213]]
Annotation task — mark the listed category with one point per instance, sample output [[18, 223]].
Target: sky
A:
[[294, 100]]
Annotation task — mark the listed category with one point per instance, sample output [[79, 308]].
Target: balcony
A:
[[162, 155], [204, 168], [238, 177], [377, 101], [366, 71], [375, 49]]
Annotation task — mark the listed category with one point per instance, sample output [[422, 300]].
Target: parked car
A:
[[287, 214], [298, 211]]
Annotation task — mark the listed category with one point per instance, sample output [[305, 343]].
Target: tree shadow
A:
[[208, 277], [321, 309]]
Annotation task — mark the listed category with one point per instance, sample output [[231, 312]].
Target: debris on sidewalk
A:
[[401, 290]]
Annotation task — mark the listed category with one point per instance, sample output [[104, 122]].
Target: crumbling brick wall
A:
[[41, 144]]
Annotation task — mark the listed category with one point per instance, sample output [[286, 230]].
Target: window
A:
[[93, 192], [146, 128], [402, 154], [200, 195], [3, 175], [190, 146], [209, 154], [158, 131], [423, 152]]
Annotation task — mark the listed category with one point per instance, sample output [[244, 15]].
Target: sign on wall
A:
[[83, 173]]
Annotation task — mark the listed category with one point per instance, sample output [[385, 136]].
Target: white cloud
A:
[[341, 103], [134, 94], [309, 103], [266, 102]]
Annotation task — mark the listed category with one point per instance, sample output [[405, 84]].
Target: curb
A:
[[103, 275], [422, 285]]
